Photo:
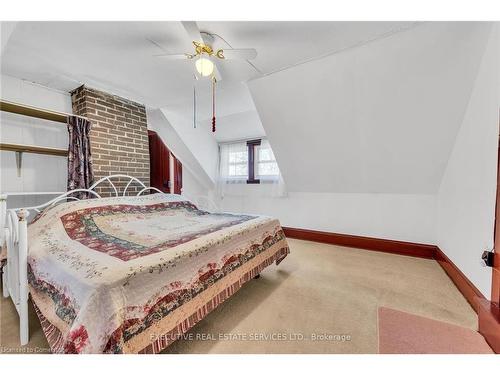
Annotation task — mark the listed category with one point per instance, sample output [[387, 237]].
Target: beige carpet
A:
[[320, 299]]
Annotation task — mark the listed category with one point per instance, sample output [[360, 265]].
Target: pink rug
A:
[[403, 333]]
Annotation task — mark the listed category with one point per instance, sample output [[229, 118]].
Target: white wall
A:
[[199, 141], [196, 192], [242, 125], [403, 217], [466, 199], [40, 173]]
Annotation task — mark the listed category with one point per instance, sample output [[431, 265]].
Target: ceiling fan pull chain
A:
[[213, 104]]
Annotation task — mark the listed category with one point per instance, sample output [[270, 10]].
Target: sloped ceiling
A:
[[381, 118]]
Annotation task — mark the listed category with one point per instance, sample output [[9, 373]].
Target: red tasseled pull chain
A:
[[213, 105]]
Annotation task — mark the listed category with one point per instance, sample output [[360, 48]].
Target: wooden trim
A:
[[33, 149], [495, 274], [489, 323], [489, 311], [367, 243], [27, 110], [251, 161], [495, 278], [466, 287], [177, 176], [159, 162]]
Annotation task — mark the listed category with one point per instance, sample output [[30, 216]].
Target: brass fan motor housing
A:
[[201, 48]]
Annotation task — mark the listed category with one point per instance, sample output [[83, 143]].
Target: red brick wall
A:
[[119, 135]]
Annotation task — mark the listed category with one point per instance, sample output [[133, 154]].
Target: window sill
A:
[[269, 180]]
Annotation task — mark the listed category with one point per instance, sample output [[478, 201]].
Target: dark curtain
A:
[[80, 174]]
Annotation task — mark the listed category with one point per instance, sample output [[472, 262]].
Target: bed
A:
[[132, 274]]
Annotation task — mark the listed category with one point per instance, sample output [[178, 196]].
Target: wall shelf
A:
[[45, 114], [21, 149], [27, 110], [33, 149], [26, 193]]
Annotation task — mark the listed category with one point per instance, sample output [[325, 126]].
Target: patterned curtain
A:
[[80, 174]]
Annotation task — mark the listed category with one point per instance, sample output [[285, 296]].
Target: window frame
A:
[[251, 161]]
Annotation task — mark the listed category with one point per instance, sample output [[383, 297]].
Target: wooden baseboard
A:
[[466, 287], [367, 243], [489, 323], [470, 292]]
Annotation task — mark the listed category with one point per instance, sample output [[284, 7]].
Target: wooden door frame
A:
[[177, 175], [159, 162], [495, 272], [489, 311]]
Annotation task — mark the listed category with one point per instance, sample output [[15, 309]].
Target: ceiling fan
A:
[[207, 59]]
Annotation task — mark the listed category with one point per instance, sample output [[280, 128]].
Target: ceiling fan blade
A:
[[240, 54], [195, 34], [192, 30], [176, 56], [207, 38]]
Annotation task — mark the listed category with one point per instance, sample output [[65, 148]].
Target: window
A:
[[248, 162], [238, 163], [234, 162], [266, 166]]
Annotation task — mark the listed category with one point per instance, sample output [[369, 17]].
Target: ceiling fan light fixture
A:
[[204, 66]]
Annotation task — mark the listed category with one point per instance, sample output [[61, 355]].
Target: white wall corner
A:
[[467, 193]]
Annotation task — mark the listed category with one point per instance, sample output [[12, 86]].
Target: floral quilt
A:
[[109, 275]]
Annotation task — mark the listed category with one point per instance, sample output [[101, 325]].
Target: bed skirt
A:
[[170, 328]]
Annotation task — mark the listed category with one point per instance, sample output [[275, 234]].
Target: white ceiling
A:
[[117, 57]]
